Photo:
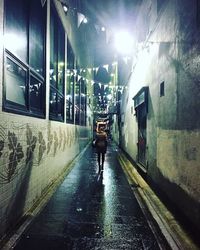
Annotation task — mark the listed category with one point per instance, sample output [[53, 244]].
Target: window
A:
[[83, 103], [70, 83], [24, 82], [57, 68], [15, 78], [162, 89], [141, 98], [36, 92], [77, 102], [80, 102]]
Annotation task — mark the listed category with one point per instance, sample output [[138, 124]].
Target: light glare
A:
[[85, 20], [65, 8], [123, 42]]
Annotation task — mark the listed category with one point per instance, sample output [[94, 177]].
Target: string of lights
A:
[[108, 90]]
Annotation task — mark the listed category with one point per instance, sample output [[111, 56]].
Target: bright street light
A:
[[123, 42], [85, 20]]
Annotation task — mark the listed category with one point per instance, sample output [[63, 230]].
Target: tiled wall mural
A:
[[23, 146]]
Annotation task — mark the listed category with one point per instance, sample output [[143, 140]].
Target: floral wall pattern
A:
[[23, 146], [31, 144], [15, 155]]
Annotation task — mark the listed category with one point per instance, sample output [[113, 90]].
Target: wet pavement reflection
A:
[[91, 211]]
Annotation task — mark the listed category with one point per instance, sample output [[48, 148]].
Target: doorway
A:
[[141, 108], [142, 125]]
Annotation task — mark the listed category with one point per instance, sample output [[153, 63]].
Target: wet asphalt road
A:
[[91, 211]]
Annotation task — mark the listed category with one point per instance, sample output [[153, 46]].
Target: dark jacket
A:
[[101, 142]]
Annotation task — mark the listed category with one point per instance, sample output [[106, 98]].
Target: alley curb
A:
[[172, 231]]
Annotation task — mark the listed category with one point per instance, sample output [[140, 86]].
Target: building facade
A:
[[46, 100], [160, 115], [45, 117]]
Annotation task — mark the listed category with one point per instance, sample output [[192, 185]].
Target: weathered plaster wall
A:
[[170, 53]]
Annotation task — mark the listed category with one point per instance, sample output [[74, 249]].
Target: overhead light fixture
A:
[[65, 8], [85, 20], [123, 42]]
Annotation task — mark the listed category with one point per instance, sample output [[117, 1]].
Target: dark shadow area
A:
[[16, 209], [182, 198]]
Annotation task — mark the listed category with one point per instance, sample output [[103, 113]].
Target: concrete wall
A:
[[33, 153], [169, 52]]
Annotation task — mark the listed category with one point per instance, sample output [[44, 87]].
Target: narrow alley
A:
[[91, 211], [80, 74]]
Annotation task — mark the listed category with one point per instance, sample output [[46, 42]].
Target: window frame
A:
[[77, 93], [12, 106], [83, 102], [70, 84], [8, 105], [55, 115]]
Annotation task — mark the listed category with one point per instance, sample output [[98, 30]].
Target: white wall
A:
[[169, 54]]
